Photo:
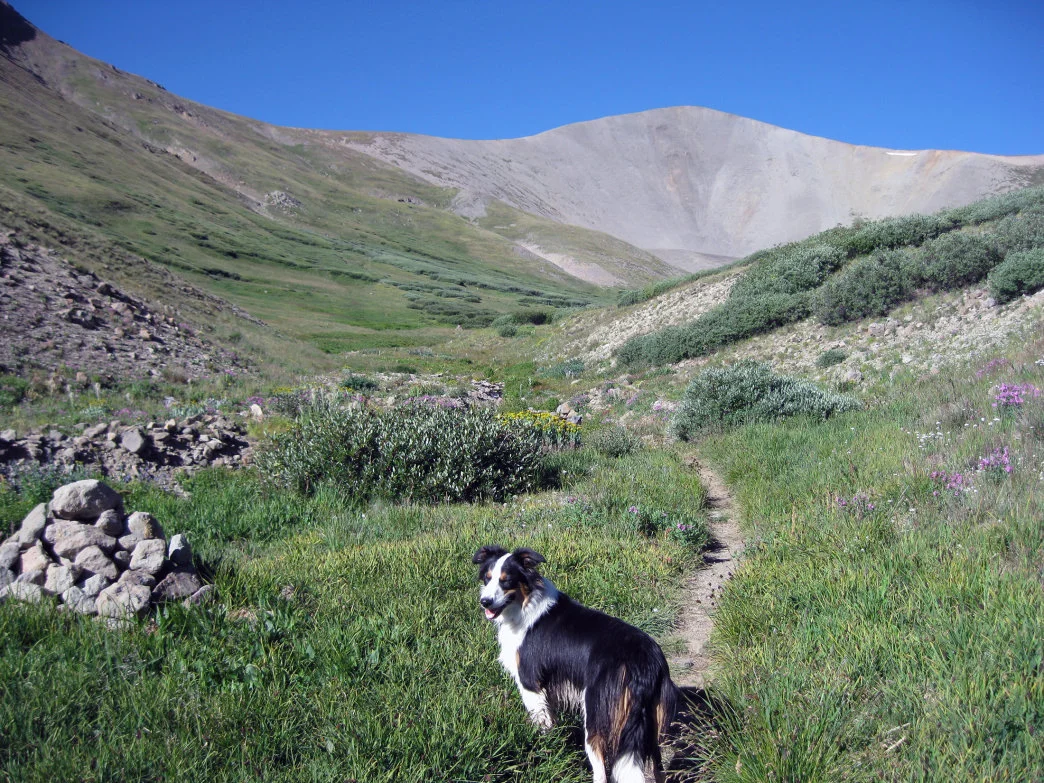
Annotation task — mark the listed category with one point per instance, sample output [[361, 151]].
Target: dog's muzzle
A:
[[492, 609]]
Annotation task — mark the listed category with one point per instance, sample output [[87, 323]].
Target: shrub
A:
[[830, 358], [551, 429], [12, 390], [417, 452], [892, 233], [1018, 274], [570, 368], [789, 270], [997, 206], [507, 330], [614, 441], [956, 259], [1024, 231], [750, 391], [359, 383], [870, 286]]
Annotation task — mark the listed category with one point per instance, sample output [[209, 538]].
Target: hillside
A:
[[696, 186]]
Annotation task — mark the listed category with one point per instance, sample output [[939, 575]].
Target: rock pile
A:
[[83, 549], [56, 315], [154, 451]]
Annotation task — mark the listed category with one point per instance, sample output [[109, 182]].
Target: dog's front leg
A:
[[536, 704]]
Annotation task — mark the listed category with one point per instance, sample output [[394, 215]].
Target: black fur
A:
[[570, 648]]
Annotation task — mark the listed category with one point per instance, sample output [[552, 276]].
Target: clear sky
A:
[[952, 74]]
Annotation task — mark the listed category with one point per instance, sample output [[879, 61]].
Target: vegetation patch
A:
[[749, 391]]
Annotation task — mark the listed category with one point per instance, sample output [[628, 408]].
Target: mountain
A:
[[335, 241], [694, 185]]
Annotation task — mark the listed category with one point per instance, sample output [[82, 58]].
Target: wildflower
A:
[[633, 510], [1012, 395]]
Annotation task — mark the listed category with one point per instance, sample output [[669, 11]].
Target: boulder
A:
[[32, 526], [25, 591], [179, 552], [84, 500], [60, 578], [78, 601], [68, 539], [10, 554], [95, 561], [123, 600], [144, 525], [110, 523], [35, 559], [93, 585], [133, 441], [149, 555], [176, 586], [138, 577], [34, 577]]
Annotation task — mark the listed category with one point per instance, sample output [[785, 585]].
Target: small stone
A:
[[122, 558], [177, 585], [149, 555], [10, 436], [179, 552], [95, 561], [110, 523], [68, 539], [77, 600], [144, 525], [129, 541], [854, 376], [34, 577], [133, 441], [123, 600], [256, 413], [203, 595], [25, 591], [93, 585], [136, 577], [84, 500], [96, 430], [35, 559], [60, 578], [10, 554], [6, 577], [32, 526]]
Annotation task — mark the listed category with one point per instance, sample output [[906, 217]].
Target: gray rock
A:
[[9, 435], [203, 595], [35, 559], [137, 577], [95, 561], [60, 578], [110, 523], [32, 526], [35, 577], [179, 552], [6, 577], [144, 525], [176, 586], [96, 430], [25, 591], [854, 376], [122, 558], [84, 500], [68, 539], [149, 555], [133, 441], [10, 554], [123, 600], [93, 585], [77, 600], [129, 541]]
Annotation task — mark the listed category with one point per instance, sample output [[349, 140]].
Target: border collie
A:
[[564, 655]]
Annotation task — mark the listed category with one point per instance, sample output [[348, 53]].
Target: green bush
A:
[[359, 383], [614, 441], [892, 233], [997, 207], [12, 390], [830, 358], [956, 259], [870, 286], [418, 452], [789, 270], [570, 368], [1024, 231], [750, 391], [507, 330], [1018, 274]]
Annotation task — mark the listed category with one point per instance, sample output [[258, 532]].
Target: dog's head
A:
[[508, 580]]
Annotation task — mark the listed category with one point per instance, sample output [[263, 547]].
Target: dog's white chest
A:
[[510, 639]]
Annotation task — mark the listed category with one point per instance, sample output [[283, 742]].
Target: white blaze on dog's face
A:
[[508, 579]]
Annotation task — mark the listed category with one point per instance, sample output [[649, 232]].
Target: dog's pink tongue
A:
[[490, 615]]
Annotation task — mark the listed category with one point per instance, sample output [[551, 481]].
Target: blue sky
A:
[[961, 74]]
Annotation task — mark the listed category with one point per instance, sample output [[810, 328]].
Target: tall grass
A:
[[888, 622]]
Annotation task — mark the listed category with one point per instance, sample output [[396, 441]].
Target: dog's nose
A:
[[486, 601]]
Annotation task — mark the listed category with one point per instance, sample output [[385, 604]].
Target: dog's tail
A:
[[641, 705]]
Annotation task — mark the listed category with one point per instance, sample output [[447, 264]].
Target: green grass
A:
[[883, 627], [379, 667]]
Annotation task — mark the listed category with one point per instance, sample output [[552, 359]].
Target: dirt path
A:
[[683, 759]]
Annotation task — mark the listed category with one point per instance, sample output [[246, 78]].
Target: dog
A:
[[564, 655]]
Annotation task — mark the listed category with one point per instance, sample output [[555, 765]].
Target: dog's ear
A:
[[486, 552], [528, 558]]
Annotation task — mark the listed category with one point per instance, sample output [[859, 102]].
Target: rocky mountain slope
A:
[[693, 185]]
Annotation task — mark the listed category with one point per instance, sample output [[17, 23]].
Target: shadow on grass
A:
[[688, 755]]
